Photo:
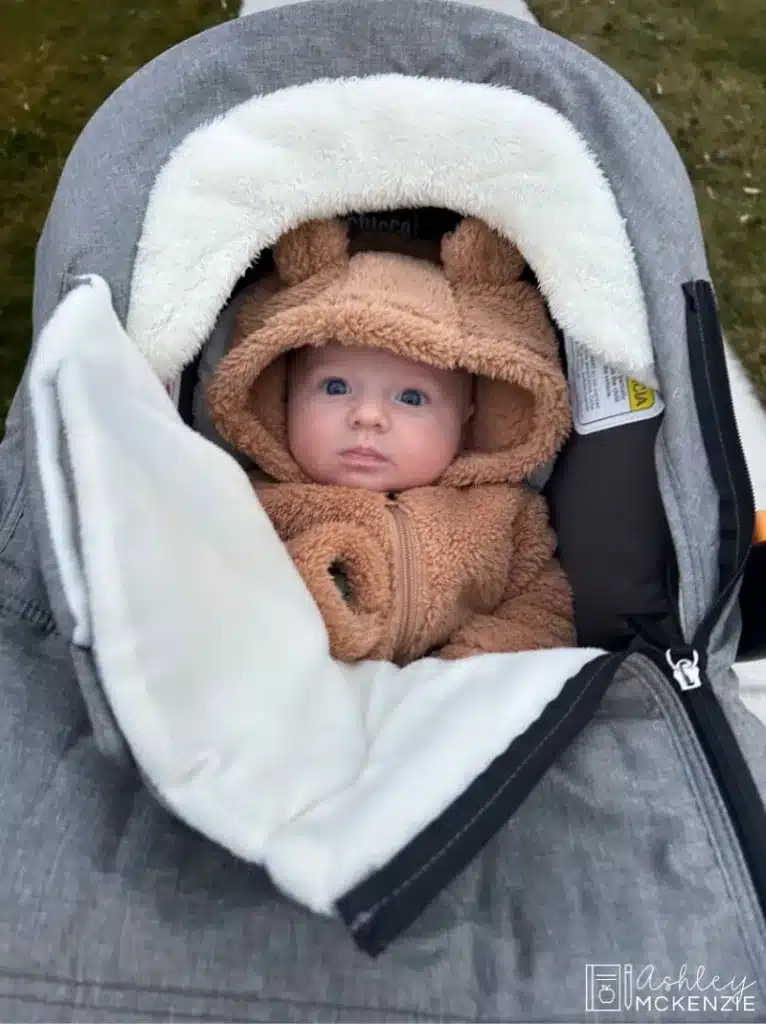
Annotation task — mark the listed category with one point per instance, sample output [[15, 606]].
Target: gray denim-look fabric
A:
[[110, 908]]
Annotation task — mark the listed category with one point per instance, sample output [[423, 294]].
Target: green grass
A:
[[702, 64], [59, 60]]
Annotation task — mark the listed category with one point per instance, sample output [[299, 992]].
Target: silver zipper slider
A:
[[685, 671]]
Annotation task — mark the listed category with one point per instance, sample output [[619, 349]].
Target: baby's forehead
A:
[[357, 358]]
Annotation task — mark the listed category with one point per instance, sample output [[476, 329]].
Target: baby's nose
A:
[[368, 412]]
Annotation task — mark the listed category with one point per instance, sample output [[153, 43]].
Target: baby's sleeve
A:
[[536, 611]]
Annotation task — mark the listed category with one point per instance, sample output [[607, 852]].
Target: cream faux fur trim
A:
[[235, 185]]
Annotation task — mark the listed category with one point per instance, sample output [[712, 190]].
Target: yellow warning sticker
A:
[[602, 397], [639, 395]]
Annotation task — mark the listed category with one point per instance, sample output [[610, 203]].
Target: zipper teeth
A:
[[707, 365], [407, 576], [715, 798], [740, 791]]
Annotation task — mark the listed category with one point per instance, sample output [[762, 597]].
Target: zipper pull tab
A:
[[685, 670]]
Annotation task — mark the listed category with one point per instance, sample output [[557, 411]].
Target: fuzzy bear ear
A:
[[475, 254], [310, 248]]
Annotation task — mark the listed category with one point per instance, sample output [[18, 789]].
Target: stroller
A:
[[205, 817]]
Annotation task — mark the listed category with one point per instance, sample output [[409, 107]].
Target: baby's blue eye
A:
[[411, 397], [335, 386]]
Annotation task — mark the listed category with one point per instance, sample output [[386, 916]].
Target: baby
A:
[[395, 408]]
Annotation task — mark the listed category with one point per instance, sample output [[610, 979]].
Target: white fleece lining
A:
[[213, 655], [235, 185], [61, 515]]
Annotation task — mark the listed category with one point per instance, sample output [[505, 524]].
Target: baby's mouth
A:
[[363, 455]]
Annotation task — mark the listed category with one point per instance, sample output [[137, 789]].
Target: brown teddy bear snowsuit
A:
[[465, 566]]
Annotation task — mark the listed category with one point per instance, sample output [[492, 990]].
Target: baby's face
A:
[[363, 417]]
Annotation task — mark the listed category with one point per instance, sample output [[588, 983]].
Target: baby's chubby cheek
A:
[[309, 435]]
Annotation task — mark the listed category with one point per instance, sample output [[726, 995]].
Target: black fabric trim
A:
[[379, 909], [189, 379], [715, 409]]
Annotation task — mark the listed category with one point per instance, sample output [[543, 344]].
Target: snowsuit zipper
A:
[[405, 577]]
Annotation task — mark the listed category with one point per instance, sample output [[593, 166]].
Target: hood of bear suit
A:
[[468, 309]]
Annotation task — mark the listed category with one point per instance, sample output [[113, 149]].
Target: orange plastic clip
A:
[[759, 532]]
